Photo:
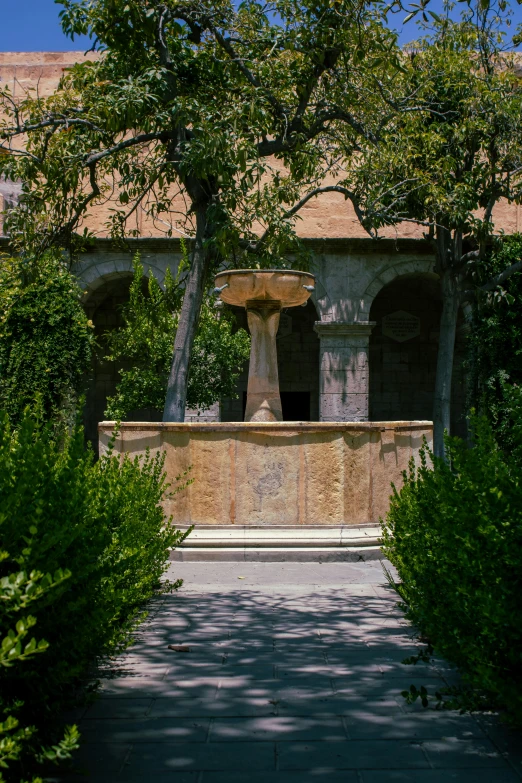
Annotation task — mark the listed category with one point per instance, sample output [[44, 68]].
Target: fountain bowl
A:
[[281, 285]]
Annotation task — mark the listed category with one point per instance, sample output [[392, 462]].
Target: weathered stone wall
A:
[[278, 473], [328, 216]]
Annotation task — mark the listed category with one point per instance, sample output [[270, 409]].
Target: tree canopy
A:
[[447, 163], [236, 111]]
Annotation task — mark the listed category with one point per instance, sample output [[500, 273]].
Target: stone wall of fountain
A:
[[277, 473]]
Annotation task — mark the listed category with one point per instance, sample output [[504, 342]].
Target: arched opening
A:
[[403, 353], [298, 367], [103, 307]]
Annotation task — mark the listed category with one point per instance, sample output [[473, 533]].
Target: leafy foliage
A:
[[45, 338], [495, 346], [456, 152], [448, 160], [146, 341], [19, 590], [85, 545], [218, 120], [454, 533], [195, 99]]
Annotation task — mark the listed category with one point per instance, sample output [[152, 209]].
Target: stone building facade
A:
[[365, 346]]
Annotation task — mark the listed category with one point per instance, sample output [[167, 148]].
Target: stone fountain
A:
[[264, 293], [266, 489]]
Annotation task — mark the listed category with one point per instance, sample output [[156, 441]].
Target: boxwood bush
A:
[[95, 536], [454, 533]]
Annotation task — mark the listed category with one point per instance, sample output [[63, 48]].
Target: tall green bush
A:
[[101, 525], [45, 338], [495, 344], [454, 533]]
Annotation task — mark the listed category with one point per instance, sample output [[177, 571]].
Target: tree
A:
[[448, 162], [146, 340], [234, 109]]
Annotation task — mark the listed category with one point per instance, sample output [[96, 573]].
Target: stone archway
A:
[[103, 306], [415, 266], [403, 352]]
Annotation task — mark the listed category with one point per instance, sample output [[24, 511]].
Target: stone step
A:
[[293, 554], [277, 543]]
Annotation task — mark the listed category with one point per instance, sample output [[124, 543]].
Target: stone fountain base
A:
[[260, 477]]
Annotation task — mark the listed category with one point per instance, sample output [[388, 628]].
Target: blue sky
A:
[[33, 26]]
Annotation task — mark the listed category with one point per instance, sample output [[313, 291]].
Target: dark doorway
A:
[[296, 406], [403, 365]]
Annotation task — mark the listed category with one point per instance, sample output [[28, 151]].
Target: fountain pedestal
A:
[[264, 293], [263, 398]]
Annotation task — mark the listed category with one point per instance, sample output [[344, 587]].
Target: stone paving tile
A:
[[146, 730], [439, 776], [151, 758], [454, 753], [116, 707], [285, 776], [230, 707], [279, 728], [354, 754], [293, 678], [366, 724]]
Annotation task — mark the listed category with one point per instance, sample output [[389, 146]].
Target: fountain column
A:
[[264, 293], [263, 398]]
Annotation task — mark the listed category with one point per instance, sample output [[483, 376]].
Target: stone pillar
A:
[[344, 371], [263, 398]]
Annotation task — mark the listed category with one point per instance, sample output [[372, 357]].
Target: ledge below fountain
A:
[[278, 474]]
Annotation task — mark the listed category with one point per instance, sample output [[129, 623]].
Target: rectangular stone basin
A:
[[283, 473]]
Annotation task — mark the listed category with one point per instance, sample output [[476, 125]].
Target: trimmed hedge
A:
[[94, 535], [454, 533]]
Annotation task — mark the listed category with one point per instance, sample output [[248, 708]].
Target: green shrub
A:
[[18, 591], [45, 339], [103, 522], [146, 342], [495, 343], [454, 533]]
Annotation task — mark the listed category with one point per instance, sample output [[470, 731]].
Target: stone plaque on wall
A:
[[401, 326]]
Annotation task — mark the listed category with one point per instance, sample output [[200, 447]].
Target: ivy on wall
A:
[[45, 338]]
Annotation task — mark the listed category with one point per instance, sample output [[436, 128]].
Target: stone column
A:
[[344, 371], [263, 398]]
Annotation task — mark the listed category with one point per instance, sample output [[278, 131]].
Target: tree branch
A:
[[493, 283]]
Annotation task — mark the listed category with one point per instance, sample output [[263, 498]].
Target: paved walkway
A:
[[293, 676]]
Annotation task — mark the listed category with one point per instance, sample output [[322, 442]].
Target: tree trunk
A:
[[447, 250], [176, 399]]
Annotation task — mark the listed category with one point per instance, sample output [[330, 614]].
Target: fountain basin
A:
[[277, 474], [279, 285]]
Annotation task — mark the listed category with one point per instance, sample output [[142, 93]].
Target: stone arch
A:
[[102, 302], [403, 351], [385, 276], [96, 274]]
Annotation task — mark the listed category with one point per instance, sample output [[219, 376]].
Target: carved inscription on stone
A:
[[401, 326], [266, 483]]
